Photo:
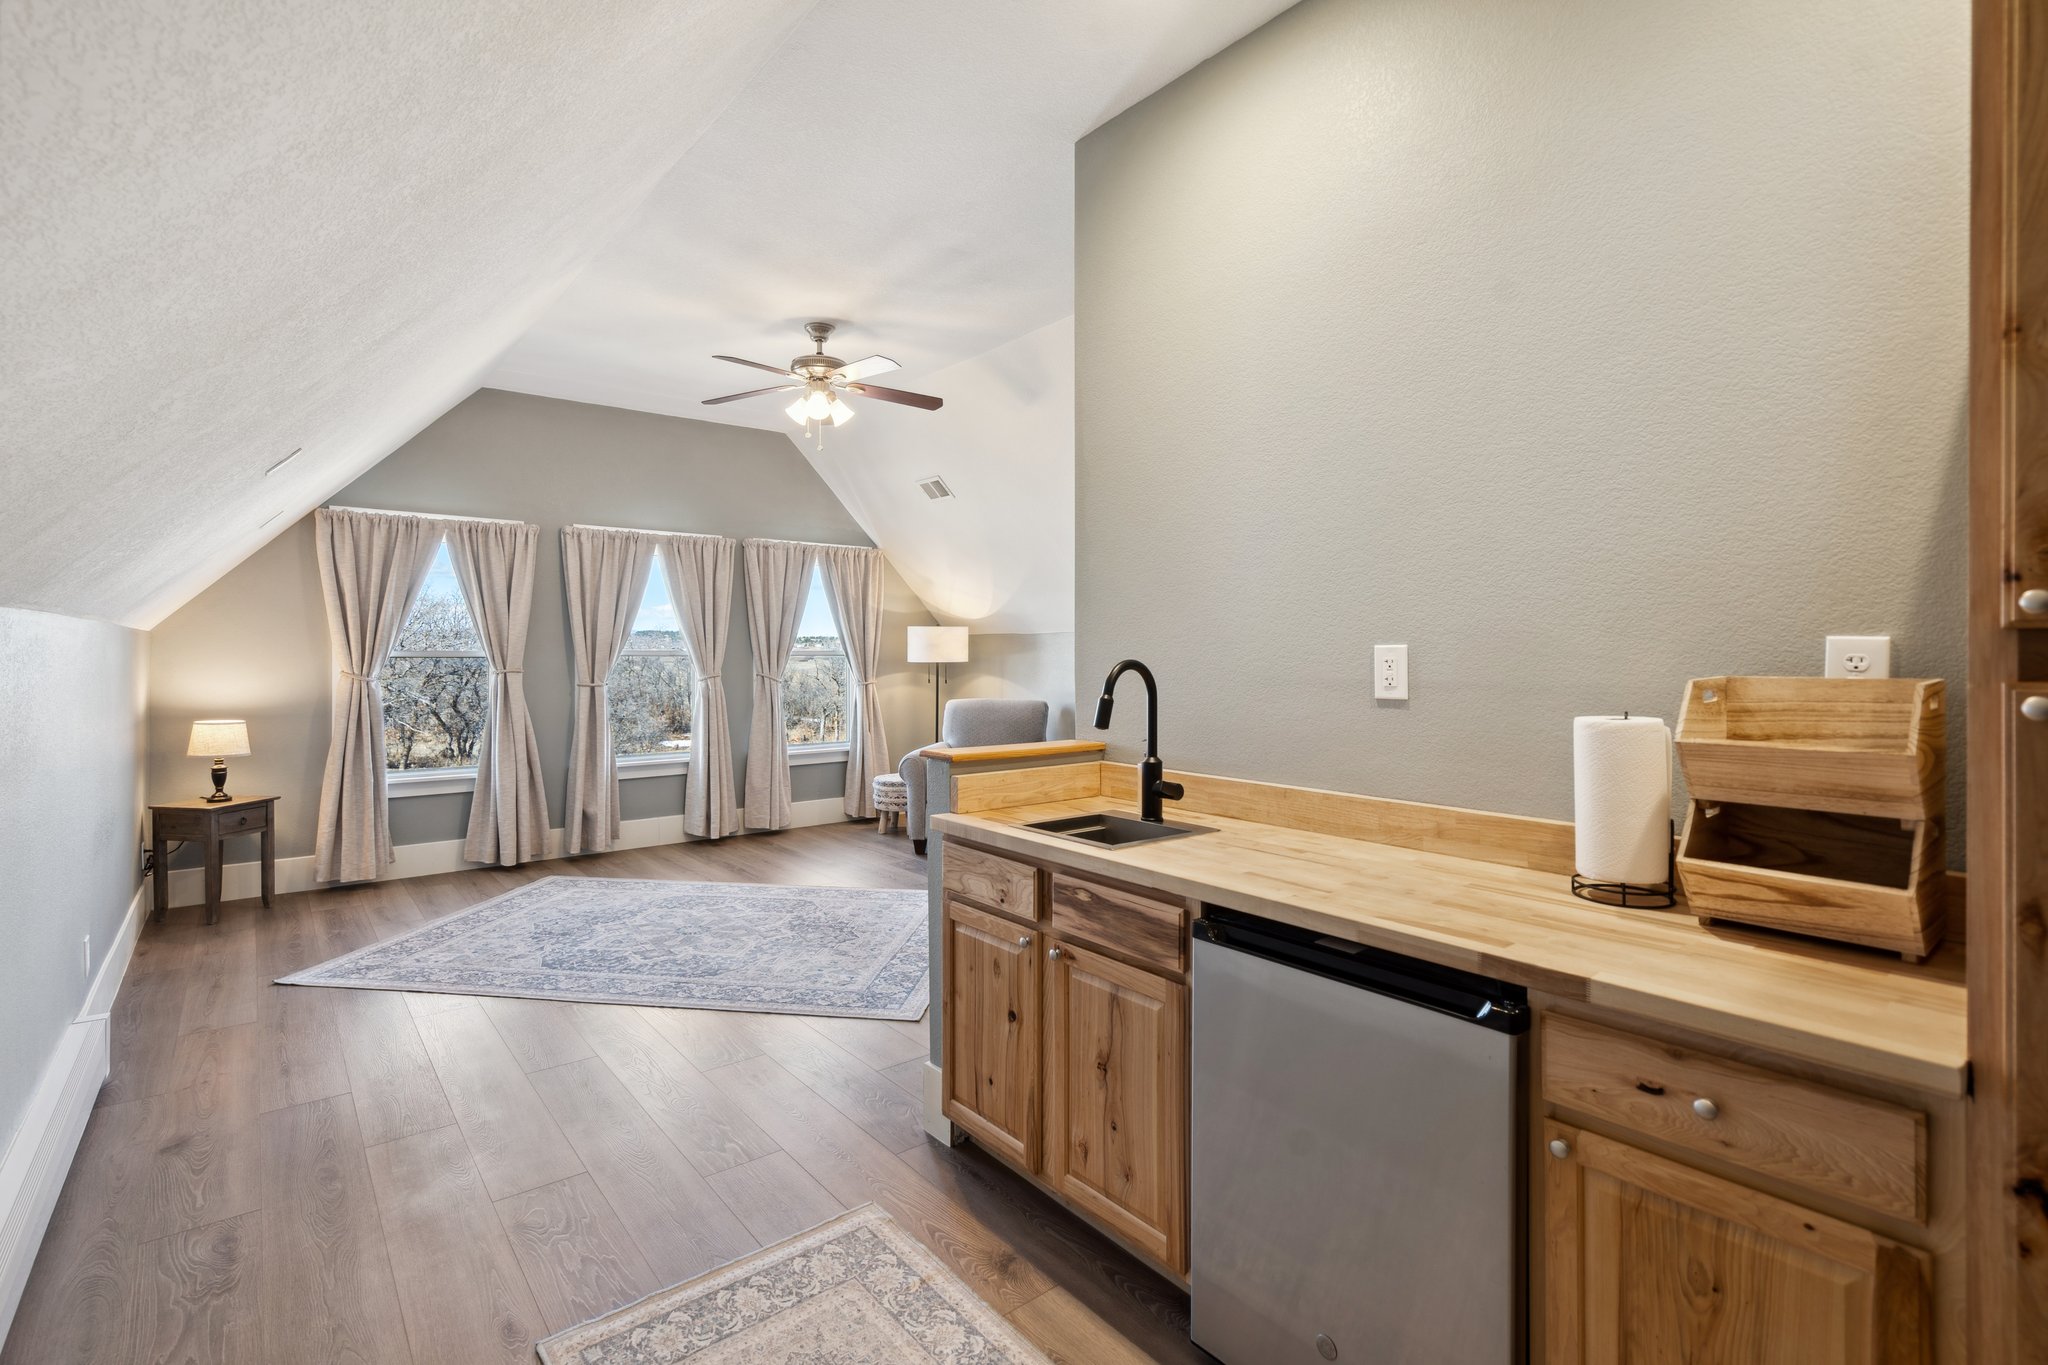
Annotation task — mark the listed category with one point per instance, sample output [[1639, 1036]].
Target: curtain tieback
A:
[[358, 677], [502, 671], [595, 684]]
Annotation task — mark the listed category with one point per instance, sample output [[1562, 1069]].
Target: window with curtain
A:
[[815, 686], [650, 685], [436, 680]]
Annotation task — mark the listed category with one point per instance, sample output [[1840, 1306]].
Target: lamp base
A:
[[220, 781]]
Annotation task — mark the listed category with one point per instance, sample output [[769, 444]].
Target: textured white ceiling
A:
[[907, 167], [228, 230]]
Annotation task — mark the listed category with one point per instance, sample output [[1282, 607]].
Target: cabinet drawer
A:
[[244, 821], [1870, 1152], [1130, 923], [985, 879]]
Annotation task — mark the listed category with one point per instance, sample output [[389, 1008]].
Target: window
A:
[[814, 686], [437, 683], [650, 684]]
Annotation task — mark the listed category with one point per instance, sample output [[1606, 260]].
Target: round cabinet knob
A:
[[2035, 708], [1706, 1108], [2034, 601], [1053, 951], [1024, 942], [1560, 1149]]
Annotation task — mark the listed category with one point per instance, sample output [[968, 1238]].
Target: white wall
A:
[[71, 695], [1585, 347]]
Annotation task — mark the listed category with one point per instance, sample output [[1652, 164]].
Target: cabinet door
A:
[[993, 1028], [1649, 1262], [1116, 1098]]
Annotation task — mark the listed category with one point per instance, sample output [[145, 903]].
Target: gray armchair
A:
[[969, 721]]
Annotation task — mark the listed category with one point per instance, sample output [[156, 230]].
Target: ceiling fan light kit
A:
[[823, 378]]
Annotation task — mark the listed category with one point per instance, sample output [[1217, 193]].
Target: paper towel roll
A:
[[1621, 798]]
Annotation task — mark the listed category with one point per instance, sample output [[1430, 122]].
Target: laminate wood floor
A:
[[286, 1175]]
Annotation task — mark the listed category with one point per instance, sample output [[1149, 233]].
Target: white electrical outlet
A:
[[1390, 672], [1859, 656]]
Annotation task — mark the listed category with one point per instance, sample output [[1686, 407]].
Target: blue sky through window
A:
[[817, 618], [657, 608]]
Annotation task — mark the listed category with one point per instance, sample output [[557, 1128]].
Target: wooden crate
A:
[[1860, 746], [1867, 879]]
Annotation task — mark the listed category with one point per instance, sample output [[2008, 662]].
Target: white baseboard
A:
[[33, 1169], [936, 1124], [242, 881]]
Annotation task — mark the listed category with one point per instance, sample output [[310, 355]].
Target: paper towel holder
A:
[[1631, 895]]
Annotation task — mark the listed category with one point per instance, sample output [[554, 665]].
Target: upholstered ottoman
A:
[[892, 798]]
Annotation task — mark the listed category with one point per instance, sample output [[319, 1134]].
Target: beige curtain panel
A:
[[853, 581], [372, 565], [777, 573], [604, 574], [508, 816], [700, 572]]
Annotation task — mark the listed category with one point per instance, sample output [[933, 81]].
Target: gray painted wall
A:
[[1038, 667], [1585, 348], [255, 643], [71, 696]]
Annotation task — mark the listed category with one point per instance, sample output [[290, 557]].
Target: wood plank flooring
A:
[[298, 1175]]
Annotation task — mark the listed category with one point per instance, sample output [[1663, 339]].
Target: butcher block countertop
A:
[[1854, 1009]]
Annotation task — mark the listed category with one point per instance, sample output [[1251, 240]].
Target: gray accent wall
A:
[[1584, 349], [1016, 666], [254, 644], [71, 697]]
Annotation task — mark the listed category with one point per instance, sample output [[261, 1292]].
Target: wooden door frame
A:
[[2008, 756]]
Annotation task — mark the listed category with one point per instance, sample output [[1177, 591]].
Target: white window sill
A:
[[800, 754], [653, 765], [403, 782]]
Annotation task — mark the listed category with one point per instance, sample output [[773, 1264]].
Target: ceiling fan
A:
[[823, 378]]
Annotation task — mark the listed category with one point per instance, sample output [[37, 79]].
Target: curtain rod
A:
[[706, 535], [641, 531], [428, 516]]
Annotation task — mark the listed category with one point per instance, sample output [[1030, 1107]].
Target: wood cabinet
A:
[[1648, 1260], [993, 1031], [1066, 1052], [1116, 1097]]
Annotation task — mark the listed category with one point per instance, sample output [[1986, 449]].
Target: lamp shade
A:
[[938, 644], [218, 739]]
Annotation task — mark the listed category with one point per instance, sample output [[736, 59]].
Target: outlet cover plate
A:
[[1858, 656], [1390, 672]]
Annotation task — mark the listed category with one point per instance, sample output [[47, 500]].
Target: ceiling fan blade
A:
[[861, 369], [751, 393], [913, 400], [772, 369]]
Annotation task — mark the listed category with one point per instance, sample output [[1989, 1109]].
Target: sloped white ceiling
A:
[[229, 230], [999, 554], [906, 168]]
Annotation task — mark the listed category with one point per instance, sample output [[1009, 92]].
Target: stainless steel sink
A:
[[1107, 827]]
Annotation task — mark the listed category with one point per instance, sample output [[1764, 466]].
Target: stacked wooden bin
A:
[[1817, 806]]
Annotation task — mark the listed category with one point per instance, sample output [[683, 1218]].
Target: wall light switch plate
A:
[[1390, 672], [1859, 656]]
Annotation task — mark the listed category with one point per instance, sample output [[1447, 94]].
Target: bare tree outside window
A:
[[815, 686], [650, 686], [436, 681]]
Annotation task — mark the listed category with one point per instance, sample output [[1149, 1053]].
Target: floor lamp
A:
[[937, 645]]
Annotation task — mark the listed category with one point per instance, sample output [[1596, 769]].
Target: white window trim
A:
[[402, 782]]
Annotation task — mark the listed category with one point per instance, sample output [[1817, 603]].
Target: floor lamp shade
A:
[[938, 644]]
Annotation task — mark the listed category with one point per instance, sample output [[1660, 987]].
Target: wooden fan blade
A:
[[861, 369], [910, 400], [755, 364], [751, 393]]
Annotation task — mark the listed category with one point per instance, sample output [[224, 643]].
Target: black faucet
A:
[[1152, 784]]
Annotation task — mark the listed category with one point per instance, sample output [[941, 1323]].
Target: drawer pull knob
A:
[[1024, 942], [2034, 601], [1560, 1149], [2035, 708], [1706, 1108], [1053, 951]]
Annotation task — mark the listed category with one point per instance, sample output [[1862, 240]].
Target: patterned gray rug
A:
[[855, 1291], [840, 950]]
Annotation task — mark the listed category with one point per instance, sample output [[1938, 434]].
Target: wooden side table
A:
[[211, 824]]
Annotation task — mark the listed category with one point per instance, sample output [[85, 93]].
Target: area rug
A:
[[838, 950], [855, 1291]]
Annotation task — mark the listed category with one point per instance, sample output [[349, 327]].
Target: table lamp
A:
[[219, 740], [937, 645]]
